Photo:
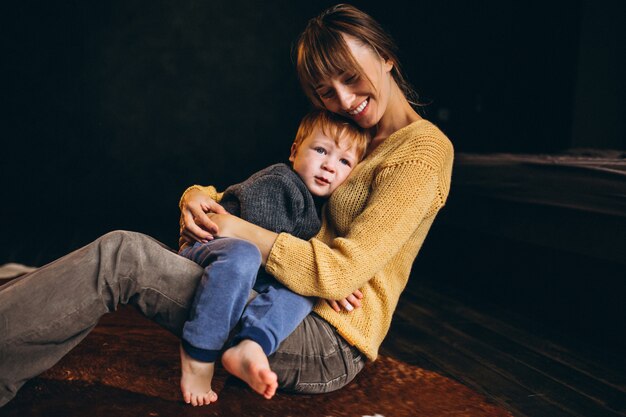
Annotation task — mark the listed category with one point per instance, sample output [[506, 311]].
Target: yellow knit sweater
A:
[[372, 228]]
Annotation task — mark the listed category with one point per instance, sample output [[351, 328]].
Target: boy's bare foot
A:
[[195, 381], [248, 362]]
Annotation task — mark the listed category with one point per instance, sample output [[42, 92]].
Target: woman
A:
[[372, 230], [375, 222]]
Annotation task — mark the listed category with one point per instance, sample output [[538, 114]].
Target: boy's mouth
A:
[[322, 180]]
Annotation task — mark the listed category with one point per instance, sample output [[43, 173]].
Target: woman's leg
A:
[[315, 359], [44, 314]]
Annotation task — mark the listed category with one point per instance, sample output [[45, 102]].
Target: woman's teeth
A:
[[359, 109]]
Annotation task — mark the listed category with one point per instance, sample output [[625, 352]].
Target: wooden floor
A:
[[521, 366]]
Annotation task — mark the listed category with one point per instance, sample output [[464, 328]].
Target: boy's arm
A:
[[275, 203]]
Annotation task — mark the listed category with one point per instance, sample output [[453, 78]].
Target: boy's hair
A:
[[335, 127]]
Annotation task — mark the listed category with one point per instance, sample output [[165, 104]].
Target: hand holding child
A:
[[195, 224], [349, 303]]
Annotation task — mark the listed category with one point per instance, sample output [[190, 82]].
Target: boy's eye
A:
[[320, 150], [345, 162]]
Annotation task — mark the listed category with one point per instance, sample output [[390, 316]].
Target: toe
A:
[[212, 396]]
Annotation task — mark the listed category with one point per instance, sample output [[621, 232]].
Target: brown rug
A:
[[128, 366]]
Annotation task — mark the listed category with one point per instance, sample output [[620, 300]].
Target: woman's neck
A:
[[398, 114]]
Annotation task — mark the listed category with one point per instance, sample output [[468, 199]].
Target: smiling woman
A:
[[346, 65], [393, 195], [359, 96]]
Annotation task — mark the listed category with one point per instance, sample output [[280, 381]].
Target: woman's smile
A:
[[360, 109]]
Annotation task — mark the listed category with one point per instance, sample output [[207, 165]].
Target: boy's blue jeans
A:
[[230, 272]]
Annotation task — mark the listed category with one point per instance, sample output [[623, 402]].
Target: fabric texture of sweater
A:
[[274, 198], [372, 229]]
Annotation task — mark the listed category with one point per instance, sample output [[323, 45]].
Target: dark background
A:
[[111, 109]]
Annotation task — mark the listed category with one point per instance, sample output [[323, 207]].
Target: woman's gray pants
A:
[[44, 314]]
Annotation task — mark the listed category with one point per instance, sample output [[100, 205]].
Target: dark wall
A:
[[112, 108]]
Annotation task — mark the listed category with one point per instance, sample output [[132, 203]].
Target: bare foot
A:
[[195, 381], [248, 362]]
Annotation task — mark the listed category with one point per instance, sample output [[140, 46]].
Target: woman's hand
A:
[[195, 224], [349, 303]]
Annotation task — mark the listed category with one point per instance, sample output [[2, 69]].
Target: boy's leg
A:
[[44, 314], [231, 266], [273, 315], [268, 319], [230, 269]]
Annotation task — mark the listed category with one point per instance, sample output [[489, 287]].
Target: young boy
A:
[[282, 199]]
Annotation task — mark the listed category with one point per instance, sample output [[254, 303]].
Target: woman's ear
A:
[[388, 65]]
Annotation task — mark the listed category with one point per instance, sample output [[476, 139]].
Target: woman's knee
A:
[[116, 238], [131, 243]]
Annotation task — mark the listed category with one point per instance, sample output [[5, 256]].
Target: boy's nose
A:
[[328, 166]]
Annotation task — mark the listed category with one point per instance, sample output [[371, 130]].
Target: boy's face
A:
[[321, 163]]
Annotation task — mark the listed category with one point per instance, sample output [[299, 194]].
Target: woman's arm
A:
[[401, 198], [405, 196], [399, 212], [232, 226]]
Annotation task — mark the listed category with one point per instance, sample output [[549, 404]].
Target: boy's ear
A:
[[294, 148]]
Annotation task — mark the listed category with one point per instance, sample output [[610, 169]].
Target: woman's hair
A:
[[321, 51], [335, 127]]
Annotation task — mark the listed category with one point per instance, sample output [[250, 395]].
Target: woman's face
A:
[[363, 99]]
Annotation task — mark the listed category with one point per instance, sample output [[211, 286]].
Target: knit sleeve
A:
[[274, 202], [403, 194], [209, 190]]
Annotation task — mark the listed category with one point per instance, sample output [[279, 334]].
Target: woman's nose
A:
[[346, 98]]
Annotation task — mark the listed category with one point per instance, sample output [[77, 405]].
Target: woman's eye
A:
[[327, 94], [352, 79]]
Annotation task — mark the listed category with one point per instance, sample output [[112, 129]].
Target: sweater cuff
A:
[[292, 263], [208, 190], [278, 251]]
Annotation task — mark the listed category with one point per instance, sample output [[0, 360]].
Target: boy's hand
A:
[[349, 303]]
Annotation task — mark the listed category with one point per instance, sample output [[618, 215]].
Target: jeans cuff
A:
[[257, 335], [202, 355]]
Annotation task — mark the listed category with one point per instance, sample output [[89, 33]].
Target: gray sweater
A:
[[276, 199]]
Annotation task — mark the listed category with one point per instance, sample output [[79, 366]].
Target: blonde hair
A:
[[321, 51], [335, 127]]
